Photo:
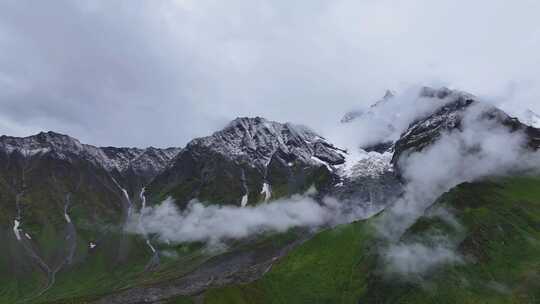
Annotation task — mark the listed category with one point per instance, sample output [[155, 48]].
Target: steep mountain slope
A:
[[63, 205], [449, 118], [122, 163], [241, 163]]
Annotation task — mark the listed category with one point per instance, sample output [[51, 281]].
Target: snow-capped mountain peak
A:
[[41, 143], [64, 147], [255, 140]]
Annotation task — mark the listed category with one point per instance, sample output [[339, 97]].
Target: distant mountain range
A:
[[64, 205]]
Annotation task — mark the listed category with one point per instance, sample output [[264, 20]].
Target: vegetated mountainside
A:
[[64, 206], [499, 237]]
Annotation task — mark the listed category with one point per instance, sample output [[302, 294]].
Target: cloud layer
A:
[[159, 73], [213, 224]]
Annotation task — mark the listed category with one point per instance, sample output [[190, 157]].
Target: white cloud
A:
[[483, 148], [416, 259], [120, 73], [214, 223]]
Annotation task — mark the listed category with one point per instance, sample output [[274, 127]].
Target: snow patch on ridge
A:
[[143, 198], [322, 162], [244, 200], [66, 215], [373, 165], [532, 119], [254, 141], [64, 147], [365, 164], [267, 191], [16, 229], [151, 246]]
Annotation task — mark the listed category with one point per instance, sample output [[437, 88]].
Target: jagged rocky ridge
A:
[[425, 131], [239, 164], [122, 161]]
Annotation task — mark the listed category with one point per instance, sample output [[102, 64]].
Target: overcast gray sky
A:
[[140, 73]]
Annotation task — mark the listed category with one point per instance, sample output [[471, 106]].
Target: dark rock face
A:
[[288, 174], [380, 147], [449, 118], [426, 131], [237, 160]]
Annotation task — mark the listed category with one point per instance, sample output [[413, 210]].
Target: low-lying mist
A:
[[385, 120], [482, 148], [214, 224]]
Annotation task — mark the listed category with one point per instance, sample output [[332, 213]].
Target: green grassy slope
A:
[[499, 240], [101, 274], [326, 269]]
